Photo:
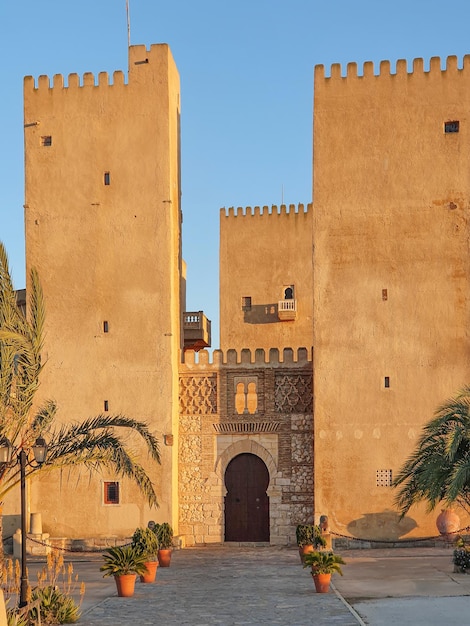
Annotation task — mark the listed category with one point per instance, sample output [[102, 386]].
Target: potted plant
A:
[[309, 538], [322, 565], [461, 556], [124, 563], [164, 534], [146, 542]]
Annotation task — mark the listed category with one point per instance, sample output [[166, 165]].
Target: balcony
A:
[[196, 331], [287, 310]]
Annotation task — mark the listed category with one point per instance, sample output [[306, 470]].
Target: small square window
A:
[[111, 492], [46, 140], [246, 303], [451, 127], [107, 178]]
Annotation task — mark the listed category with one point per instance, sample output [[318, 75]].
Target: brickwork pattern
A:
[[212, 433]]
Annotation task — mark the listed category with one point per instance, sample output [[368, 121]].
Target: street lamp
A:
[[6, 452]]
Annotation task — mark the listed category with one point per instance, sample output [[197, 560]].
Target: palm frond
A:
[[7, 292], [105, 422], [20, 346], [37, 314], [94, 444], [438, 470], [43, 419]]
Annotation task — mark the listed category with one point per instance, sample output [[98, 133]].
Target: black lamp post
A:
[[39, 451], [5, 451]]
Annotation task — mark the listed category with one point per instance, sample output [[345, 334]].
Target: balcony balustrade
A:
[[287, 310], [196, 330]]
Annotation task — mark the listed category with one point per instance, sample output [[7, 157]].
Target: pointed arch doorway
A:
[[246, 502]]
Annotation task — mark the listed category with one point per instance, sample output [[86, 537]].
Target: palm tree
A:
[[439, 468], [94, 443]]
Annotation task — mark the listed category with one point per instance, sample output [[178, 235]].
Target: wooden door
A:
[[246, 502]]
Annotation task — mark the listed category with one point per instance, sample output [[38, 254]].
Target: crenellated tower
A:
[[266, 274], [391, 275], [103, 217]]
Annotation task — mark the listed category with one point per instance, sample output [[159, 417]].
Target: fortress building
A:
[[343, 322]]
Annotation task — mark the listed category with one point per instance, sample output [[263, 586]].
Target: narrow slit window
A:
[[111, 492], [46, 140], [384, 294], [387, 382], [107, 178], [105, 327], [106, 405], [452, 127]]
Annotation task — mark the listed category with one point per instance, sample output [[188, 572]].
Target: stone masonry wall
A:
[[242, 406]]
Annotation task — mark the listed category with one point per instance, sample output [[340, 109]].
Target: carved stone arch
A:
[[240, 447]]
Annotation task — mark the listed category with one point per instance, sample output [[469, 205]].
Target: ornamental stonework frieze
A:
[[198, 395], [293, 393]]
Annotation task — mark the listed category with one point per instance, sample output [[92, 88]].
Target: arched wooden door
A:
[[246, 502]]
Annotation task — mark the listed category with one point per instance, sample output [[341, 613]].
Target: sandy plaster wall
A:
[[390, 280], [261, 253], [108, 253]]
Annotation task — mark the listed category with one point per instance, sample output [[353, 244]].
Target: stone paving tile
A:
[[226, 587]]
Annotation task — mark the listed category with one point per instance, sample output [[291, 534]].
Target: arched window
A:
[[288, 293], [246, 395]]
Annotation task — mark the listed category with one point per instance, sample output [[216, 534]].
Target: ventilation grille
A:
[[247, 427], [384, 478]]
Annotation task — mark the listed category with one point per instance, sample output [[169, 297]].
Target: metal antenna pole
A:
[[128, 25]]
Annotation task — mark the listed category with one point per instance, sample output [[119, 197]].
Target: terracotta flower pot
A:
[[164, 557], [125, 584], [150, 575], [305, 550], [322, 582], [447, 522]]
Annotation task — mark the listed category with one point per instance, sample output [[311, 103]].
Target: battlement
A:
[[266, 211], [418, 69], [201, 360], [139, 58], [73, 81]]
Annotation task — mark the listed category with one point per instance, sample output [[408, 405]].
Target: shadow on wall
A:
[[10, 524], [261, 314], [385, 525]]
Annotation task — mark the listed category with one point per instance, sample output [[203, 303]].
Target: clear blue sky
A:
[[246, 70]]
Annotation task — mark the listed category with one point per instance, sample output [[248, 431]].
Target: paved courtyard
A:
[[224, 586], [239, 586]]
